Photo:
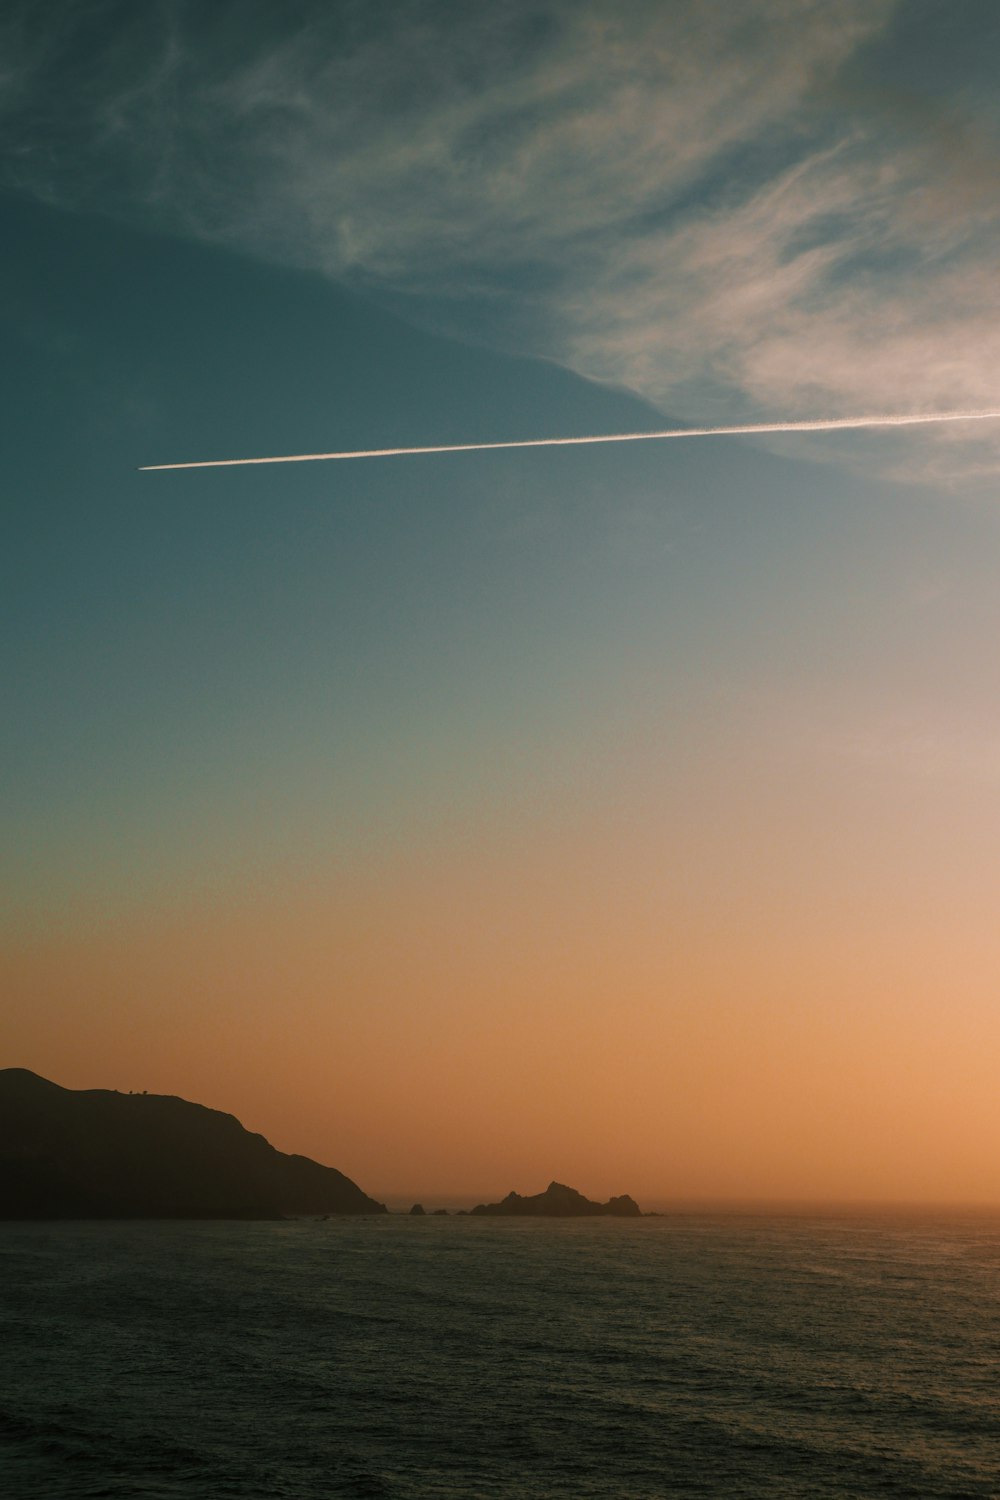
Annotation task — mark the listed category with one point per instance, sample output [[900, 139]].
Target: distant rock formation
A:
[[417, 1211], [98, 1154], [560, 1202]]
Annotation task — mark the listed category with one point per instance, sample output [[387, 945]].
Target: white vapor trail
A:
[[826, 424]]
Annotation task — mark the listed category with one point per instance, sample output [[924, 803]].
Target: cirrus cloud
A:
[[708, 204]]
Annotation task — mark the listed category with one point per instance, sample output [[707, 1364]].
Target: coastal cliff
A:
[[96, 1153]]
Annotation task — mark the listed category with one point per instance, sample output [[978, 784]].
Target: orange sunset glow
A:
[[523, 805], [738, 996]]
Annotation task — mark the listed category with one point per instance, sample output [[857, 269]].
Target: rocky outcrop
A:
[[95, 1153], [560, 1202]]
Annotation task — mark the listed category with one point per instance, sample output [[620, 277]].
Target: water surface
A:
[[454, 1357]]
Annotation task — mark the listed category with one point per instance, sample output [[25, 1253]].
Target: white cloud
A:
[[684, 198], [427, 154], [822, 292]]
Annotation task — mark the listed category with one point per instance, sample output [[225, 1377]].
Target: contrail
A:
[[826, 424]]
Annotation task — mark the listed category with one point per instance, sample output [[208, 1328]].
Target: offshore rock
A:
[[98, 1154], [560, 1202]]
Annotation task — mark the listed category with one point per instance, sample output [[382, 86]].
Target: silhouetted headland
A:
[[560, 1202], [98, 1154]]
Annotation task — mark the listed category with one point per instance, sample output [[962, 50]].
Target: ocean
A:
[[457, 1357]]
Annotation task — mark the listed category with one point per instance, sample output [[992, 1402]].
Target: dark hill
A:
[[560, 1202], [98, 1154]]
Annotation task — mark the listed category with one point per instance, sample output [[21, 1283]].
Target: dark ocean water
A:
[[467, 1357]]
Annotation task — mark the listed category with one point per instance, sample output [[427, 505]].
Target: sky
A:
[[624, 815]]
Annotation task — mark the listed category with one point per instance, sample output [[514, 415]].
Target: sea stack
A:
[[560, 1202]]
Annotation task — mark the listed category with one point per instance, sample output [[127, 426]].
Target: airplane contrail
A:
[[824, 424]]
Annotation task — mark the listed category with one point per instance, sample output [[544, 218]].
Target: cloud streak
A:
[[827, 424], [733, 211]]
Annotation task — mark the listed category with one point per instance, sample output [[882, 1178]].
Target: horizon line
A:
[[737, 1203]]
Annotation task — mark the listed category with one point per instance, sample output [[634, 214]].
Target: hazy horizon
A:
[[452, 1197]]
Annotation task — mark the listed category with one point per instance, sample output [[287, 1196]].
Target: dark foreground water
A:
[[463, 1358]]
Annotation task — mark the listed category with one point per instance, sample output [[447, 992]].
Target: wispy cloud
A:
[[704, 202]]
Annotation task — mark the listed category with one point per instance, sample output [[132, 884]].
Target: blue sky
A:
[[172, 642], [742, 691]]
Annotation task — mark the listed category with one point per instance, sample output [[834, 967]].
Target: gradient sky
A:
[[624, 815]]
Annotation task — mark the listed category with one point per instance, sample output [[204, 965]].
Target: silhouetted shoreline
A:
[[100, 1154]]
